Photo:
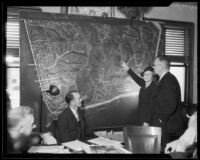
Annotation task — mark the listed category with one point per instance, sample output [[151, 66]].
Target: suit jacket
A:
[[70, 129], [167, 105]]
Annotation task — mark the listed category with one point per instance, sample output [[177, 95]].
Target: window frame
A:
[[188, 59], [14, 51]]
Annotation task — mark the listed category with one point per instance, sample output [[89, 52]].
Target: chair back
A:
[[142, 139]]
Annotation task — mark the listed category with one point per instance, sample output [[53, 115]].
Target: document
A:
[[48, 149], [100, 145], [101, 141], [108, 149], [77, 145], [105, 142]]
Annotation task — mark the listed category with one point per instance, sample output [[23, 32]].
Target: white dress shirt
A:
[[190, 135], [188, 138], [162, 75], [75, 113]]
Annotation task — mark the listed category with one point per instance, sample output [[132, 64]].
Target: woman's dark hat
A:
[[147, 69]]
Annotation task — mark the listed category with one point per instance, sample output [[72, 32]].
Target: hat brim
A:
[[142, 74]]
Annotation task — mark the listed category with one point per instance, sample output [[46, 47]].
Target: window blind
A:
[[12, 31], [175, 41], [12, 24]]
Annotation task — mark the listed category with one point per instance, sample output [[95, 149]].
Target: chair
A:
[[140, 139]]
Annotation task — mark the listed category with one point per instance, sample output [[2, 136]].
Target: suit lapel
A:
[[73, 118], [81, 120], [80, 116], [163, 78]]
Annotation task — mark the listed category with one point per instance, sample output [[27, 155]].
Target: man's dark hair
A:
[[69, 97], [165, 59]]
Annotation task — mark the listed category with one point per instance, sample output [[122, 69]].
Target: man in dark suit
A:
[[71, 122], [167, 111]]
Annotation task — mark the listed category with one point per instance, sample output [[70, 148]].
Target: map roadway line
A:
[[32, 52]]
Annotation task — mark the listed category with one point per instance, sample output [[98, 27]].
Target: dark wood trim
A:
[[177, 58], [191, 67], [12, 51], [16, 9], [12, 67], [73, 17], [187, 59], [113, 128], [171, 22], [64, 10]]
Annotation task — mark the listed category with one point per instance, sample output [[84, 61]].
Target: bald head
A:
[[161, 64], [20, 121]]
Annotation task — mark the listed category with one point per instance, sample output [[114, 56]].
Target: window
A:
[[12, 59], [179, 70], [178, 46], [174, 42], [12, 31], [12, 53]]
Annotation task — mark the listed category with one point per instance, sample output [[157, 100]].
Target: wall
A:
[[51, 9], [86, 58], [180, 12]]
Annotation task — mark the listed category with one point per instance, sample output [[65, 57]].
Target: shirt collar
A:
[[75, 113], [162, 75]]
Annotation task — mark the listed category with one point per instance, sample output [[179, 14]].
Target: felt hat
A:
[[149, 68]]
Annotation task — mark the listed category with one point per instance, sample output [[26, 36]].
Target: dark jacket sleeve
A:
[[88, 133], [64, 129], [145, 114], [136, 78], [151, 102], [170, 98], [146, 111]]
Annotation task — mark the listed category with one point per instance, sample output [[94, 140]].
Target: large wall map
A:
[[85, 54]]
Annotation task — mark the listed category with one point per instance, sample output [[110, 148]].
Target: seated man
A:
[[20, 126], [71, 122], [186, 142]]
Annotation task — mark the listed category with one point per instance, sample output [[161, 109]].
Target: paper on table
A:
[[122, 149], [48, 149], [108, 149], [105, 141], [77, 145]]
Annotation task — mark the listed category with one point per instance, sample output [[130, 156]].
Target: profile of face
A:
[[148, 76], [158, 66], [27, 125], [77, 99]]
